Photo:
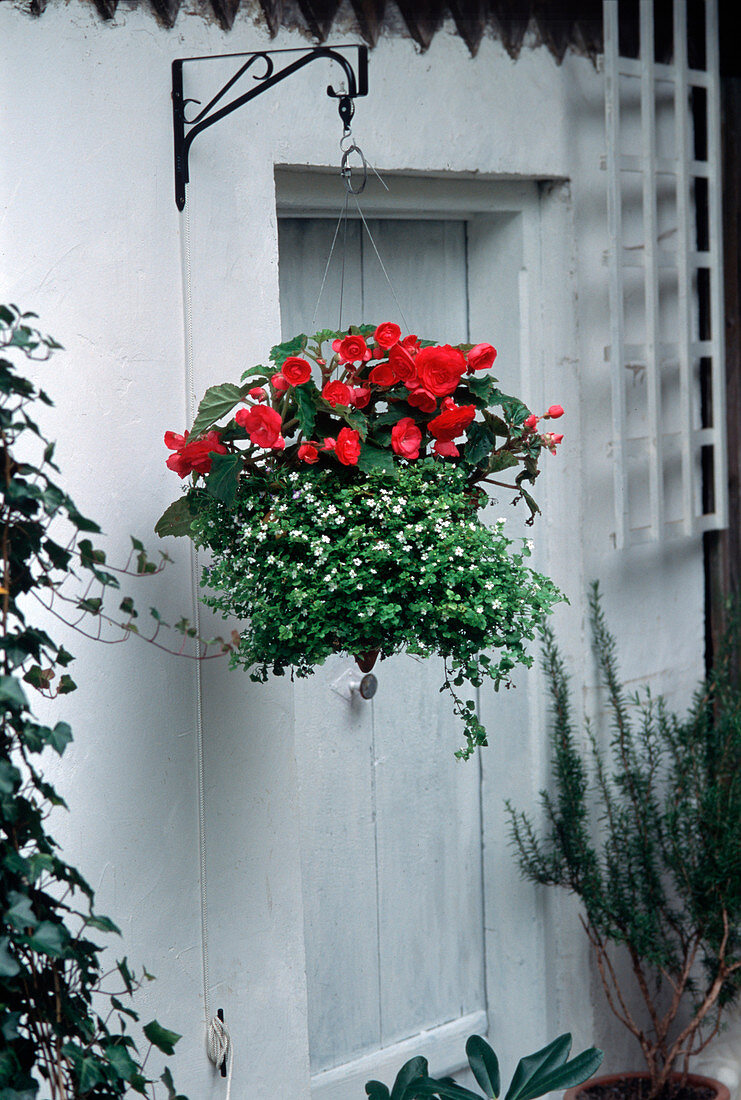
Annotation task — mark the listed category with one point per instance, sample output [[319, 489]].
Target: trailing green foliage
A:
[[649, 839], [536, 1074], [60, 1032], [320, 561]]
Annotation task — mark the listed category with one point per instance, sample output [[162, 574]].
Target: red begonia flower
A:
[[280, 382], [347, 447], [420, 399], [262, 425], [446, 448], [353, 349], [406, 438], [480, 358], [337, 393], [192, 457], [440, 369], [387, 334], [308, 452], [296, 370], [383, 375], [554, 412], [452, 423]]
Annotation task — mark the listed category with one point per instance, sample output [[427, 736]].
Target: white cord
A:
[[219, 1044]]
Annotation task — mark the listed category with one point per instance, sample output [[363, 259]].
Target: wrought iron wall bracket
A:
[[185, 130]]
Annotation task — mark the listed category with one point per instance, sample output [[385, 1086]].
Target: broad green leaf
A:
[[501, 461], [66, 685], [354, 419], [397, 412], [281, 352], [12, 693], [375, 459], [484, 1065], [121, 1060], [223, 479], [9, 966], [575, 1072], [216, 402], [20, 914], [306, 397], [256, 375], [176, 520], [479, 444], [49, 939], [410, 1071], [160, 1037], [376, 1091], [431, 1087], [484, 386], [550, 1057], [513, 409]]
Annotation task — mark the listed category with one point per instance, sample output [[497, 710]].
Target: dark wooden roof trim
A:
[[559, 24]]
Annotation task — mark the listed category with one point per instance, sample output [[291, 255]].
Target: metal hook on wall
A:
[[186, 130]]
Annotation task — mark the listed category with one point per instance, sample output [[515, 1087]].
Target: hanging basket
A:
[[341, 498]]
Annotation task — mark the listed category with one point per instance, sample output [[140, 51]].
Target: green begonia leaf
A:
[[176, 520], [215, 404]]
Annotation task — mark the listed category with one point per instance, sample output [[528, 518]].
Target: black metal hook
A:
[[357, 85]]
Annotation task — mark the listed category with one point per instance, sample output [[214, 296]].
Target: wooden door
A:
[[391, 822]]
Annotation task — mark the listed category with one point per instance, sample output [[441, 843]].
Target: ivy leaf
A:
[[126, 976], [216, 402], [20, 914], [160, 1037], [102, 924], [306, 397], [121, 1061], [281, 352], [175, 520], [12, 693], [60, 736], [223, 480], [66, 685], [9, 777], [375, 459], [9, 966], [90, 1073], [49, 939]]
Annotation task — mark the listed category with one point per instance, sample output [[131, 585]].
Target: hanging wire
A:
[[346, 171]]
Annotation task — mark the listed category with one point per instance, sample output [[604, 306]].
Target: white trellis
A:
[[669, 462]]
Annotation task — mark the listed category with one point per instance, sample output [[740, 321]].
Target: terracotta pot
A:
[[365, 661], [581, 1092]]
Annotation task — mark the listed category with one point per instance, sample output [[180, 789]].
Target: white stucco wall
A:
[[91, 240]]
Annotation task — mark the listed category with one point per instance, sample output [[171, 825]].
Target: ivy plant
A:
[[68, 1021]]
